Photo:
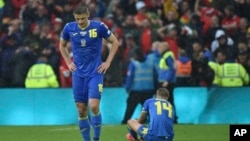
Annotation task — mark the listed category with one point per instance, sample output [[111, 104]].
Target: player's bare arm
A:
[[65, 54], [142, 117], [105, 65], [135, 124]]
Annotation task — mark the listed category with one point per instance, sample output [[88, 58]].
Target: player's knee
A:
[[94, 106], [131, 121], [82, 113], [94, 109]]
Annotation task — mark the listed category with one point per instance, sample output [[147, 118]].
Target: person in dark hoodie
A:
[[225, 43], [139, 83]]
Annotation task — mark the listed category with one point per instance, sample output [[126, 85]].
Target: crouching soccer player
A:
[[161, 122]]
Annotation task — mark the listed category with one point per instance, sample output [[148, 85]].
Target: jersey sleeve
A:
[[65, 33], [145, 107], [104, 31]]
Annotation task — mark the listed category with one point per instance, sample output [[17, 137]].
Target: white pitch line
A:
[[75, 128], [63, 129]]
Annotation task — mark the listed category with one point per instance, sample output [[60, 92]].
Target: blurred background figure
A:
[[41, 75], [1, 7], [153, 57], [183, 69], [232, 74], [202, 74], [22, 60], [230, 20], [224, 42], [113, 76], [129, 51], [139, 83], [64, 72], [10, 42], [169, 34]]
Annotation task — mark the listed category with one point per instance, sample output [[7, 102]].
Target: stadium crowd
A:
[[200, 33]]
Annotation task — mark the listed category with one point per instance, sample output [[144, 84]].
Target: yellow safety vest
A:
[[162, 64], [215, 66], [233, 75], [41, 76], [2, 3]]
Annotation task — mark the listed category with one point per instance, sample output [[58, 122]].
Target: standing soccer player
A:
[[87, 67], [161, 123]]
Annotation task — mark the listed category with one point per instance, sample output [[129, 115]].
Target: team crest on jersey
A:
[[83, 42], [83, 33]]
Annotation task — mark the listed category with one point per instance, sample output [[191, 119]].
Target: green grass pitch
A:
[[183, 132]]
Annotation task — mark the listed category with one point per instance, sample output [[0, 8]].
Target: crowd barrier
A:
[[56, 106], [213, 105]]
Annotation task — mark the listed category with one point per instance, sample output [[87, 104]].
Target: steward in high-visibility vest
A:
[[140, 76], [233, 74], [167, 67], [2, 4], [139, 83], [41, 75]]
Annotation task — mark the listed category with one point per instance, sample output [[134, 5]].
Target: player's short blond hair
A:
[[163, 92]]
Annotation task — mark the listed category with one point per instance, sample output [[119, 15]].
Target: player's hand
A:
[[165, 84], [103, 67], [72, 67]]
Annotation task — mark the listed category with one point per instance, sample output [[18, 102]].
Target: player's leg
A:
[[133, 126], [83, 121], [81, 99], [95, 90], [96, 118]]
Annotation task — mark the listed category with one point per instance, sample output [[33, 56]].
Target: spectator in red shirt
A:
[[230, 21], [141, 15], [17, 4], [169, 34], [206, 12], [146, 37]]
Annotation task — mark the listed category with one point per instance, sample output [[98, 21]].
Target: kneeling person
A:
[[161, 122]]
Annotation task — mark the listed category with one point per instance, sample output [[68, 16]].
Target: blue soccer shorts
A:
[[143, 133], [85, 88]]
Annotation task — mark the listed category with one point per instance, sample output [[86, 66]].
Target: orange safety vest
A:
[[183, 69]]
